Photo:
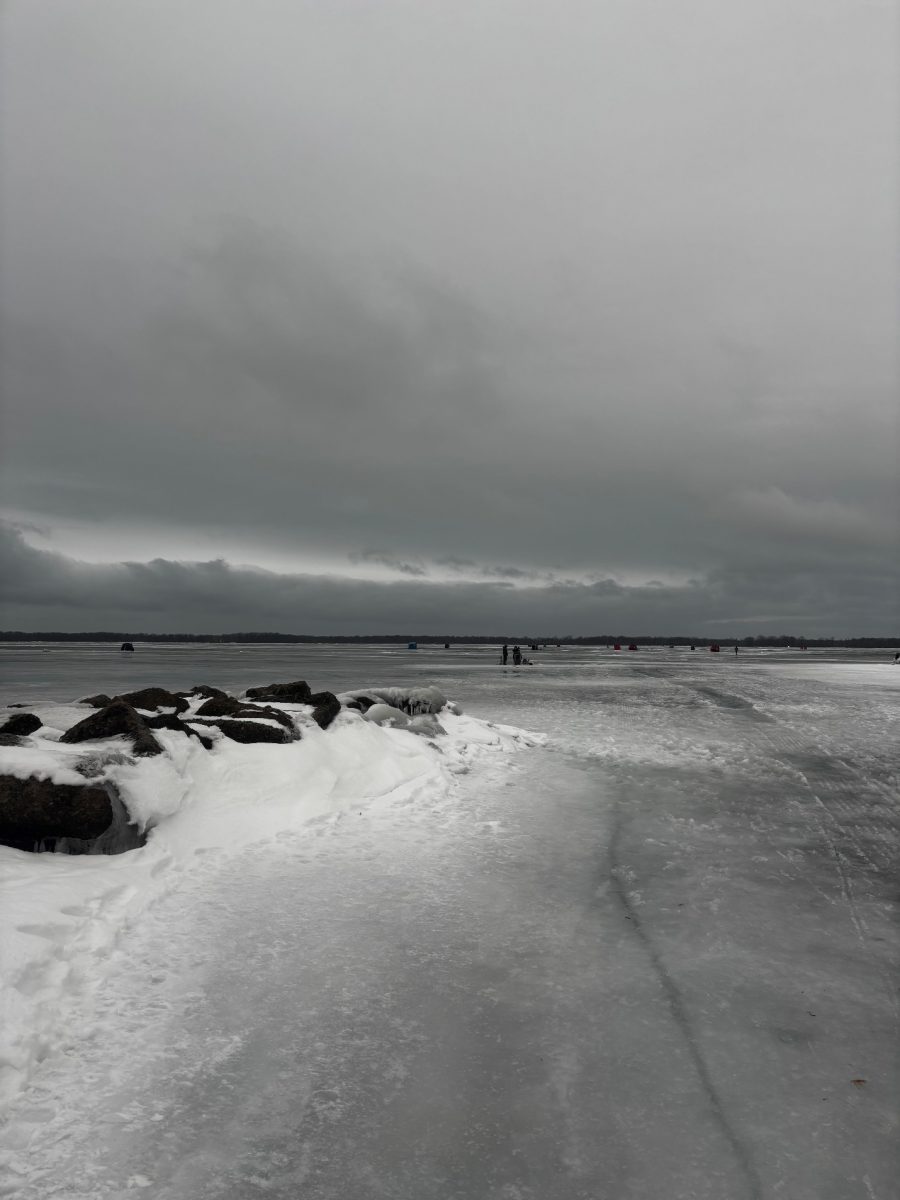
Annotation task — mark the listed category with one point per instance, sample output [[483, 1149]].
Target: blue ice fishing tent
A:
[[412, 645]]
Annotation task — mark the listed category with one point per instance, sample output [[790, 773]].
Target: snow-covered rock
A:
[[117, 719]]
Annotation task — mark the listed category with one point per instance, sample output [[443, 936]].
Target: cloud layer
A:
[[47, 590]]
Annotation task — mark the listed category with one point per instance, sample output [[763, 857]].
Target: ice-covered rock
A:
[[176, 725], [356, 701], [326, 708], [116, 720], [227, 706], [248, 732], [154, 697], [38, 814], [411, 701], [21, 724]]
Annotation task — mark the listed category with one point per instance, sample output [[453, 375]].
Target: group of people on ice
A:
[[518, 659]]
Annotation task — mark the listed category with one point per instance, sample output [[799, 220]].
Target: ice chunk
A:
[[387, 714], [412, 701]]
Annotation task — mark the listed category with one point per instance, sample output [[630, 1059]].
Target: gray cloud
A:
[[310, 300], [385, 560], [217, 597]]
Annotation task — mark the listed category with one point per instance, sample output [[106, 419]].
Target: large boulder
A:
[[154, 697], [21, 724], [227, 706], [99, 701], [248, 731], [116, 720], [36, 814], [326, 708], [288, 693]]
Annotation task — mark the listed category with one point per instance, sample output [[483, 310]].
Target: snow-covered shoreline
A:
[[62, 915]]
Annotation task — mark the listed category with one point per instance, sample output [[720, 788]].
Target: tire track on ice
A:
[[679, 1012]]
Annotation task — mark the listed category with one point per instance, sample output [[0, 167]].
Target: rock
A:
[[21, 724], [176, 725], [10, 739], [36, 814], [126, 646], [117, 719], [327, 707], [203, 689], [154, 697], [99, 701], [227, 706], [248, 731], [288, 693], [361, 703]]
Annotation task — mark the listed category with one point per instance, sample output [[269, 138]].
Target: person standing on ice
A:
[[735, 647], [504, 653], [517, 656]]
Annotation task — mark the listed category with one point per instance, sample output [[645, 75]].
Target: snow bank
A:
[[61, 915]]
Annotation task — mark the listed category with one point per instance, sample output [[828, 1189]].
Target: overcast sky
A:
[[496, 316]]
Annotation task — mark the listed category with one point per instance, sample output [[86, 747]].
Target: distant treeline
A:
[[783, 640]]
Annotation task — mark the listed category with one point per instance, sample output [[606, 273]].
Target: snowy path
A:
[[598, 976]]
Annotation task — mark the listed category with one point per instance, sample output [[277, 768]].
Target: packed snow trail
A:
[[654, 959]]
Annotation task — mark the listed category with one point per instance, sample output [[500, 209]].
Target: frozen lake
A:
[[654, 957]]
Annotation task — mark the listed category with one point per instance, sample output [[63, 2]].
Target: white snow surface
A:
[[61, 916]]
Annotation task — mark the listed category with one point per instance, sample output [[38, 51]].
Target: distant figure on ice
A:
[[504, 653], [735, 648], [517, 656], [897, 656]]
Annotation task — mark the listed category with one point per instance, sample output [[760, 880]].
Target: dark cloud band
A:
[[44, 590]]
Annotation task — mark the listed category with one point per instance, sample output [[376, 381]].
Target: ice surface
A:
[[652, 955]]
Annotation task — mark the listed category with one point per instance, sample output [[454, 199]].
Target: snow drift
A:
[[63, 915]]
